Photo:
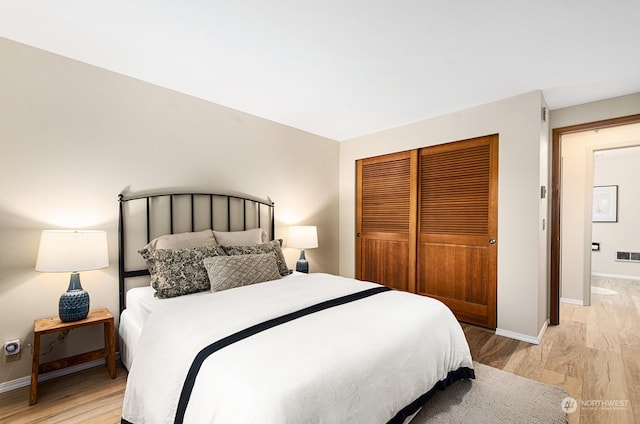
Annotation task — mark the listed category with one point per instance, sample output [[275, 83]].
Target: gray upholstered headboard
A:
[[144, 216]]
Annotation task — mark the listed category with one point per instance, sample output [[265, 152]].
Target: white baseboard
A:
[[572, 301], [524, 337], [18, 383], [624, 277]]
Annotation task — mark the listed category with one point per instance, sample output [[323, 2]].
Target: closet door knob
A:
[[492, 241]]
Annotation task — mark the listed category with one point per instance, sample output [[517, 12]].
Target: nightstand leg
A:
[[35, 369], [109, 345]]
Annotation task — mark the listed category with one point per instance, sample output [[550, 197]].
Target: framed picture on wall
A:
[[605, 203]]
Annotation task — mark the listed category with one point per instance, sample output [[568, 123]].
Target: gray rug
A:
[[495, 397]]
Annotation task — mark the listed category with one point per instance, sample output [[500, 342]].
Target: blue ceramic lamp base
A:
[[74, 303], [302, 265]]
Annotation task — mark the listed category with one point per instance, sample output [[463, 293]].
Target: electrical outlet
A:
[[11, 358], [12, 350]]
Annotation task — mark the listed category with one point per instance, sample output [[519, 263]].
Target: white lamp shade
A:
[[303, 237], [72, 251]]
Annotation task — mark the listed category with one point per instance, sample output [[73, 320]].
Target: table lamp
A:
[[72, 251], [303, 237]]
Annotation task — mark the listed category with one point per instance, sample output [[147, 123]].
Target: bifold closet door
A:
[[386, 211], [457, 229]]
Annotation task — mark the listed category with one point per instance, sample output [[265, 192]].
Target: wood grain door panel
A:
[[386, 197], [451, 270], [456, 263], [386, 262]]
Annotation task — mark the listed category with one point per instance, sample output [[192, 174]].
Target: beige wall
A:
[[72, 136], [596, 111], [544, 235], [522, 301]]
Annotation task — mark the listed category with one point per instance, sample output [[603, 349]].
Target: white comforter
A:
[[361, 362]]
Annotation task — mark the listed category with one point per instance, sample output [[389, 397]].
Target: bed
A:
[[287, 348]]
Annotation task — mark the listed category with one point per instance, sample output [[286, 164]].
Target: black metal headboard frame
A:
[[247, 203]]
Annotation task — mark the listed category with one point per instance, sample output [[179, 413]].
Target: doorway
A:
[[616, 211], [556, 202]]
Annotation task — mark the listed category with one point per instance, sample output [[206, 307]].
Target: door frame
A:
[[556, 197]]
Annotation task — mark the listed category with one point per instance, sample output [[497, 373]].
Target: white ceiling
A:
[[345, 68]]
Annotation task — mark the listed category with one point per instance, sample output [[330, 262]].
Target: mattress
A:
[[129, 332]]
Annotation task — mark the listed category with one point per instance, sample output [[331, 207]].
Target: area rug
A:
[[495, 397]]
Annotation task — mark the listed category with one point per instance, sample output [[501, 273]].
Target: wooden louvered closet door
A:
[[386, 197], [457, 230]]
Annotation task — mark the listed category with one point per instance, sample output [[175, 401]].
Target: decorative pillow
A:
[[183, 240], [273, 246], [176, 272], [227, 272], [241, 238]]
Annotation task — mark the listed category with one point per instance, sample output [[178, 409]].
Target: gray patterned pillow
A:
[[272, 246], [176, 272], [227, 272]]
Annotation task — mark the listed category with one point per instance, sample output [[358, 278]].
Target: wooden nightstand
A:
[[54, 325]]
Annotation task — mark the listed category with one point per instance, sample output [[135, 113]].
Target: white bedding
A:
[[361, 362], [141, 302]]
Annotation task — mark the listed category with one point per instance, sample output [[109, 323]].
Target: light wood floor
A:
[[594, 354]]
